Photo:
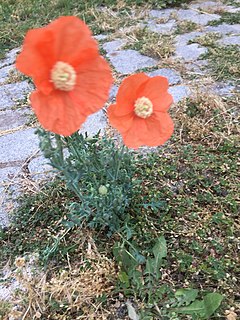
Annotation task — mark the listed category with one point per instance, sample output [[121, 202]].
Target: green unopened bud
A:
[[102, 190]]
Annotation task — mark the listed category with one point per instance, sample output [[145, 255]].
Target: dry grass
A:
[[184, 26], [207, 40], [73, 291], [14, 76], [115, 20], [207, 119], [150, 43]]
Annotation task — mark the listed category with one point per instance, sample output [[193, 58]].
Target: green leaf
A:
[[204, 308], [160, 249], [123, 277], [186, 296], [197, 307], [212, 302]]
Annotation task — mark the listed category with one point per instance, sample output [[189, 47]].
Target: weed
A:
[[227, 17], [17, 17], [186, 26], [150, 43], [207, 40], [224, 62], [5, 308]]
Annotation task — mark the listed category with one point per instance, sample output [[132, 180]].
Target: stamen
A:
[[143, 107], [63, 76]]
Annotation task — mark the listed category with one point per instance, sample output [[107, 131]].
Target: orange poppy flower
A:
[[140, 113], [72, 80]]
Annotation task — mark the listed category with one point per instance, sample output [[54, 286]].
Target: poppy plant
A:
[[72, 79], [140, 112]]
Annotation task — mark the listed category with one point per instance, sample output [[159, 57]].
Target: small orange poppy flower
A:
[[72, 79], [140, 113]]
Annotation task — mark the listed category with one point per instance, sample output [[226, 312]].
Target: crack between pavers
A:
[[15, 163]]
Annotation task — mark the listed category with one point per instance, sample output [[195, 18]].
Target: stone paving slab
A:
[[172, 76], [190, 52], [18, 146], [114, 45], [11, 93], [10, 57], [129, 61], [162, 14], [196, 17], [179, 92], [192, 15], [224, 28], [7, 176], [40, 169], [229, 40], [4, 73], [183, 39], [162, 28], [95, 122], [11, 119]]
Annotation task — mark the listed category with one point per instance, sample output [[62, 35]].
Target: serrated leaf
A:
[[131, 311], [186, 296]]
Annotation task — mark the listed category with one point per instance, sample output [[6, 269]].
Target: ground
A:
[[188, 203]]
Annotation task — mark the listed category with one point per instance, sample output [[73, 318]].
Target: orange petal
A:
[[66, 39], [73, 41], [57, 112], [160, 129], [121, 123], [93, 84], [156, 90], [127, 93], [37, 58], [150, 132], [133, 138]]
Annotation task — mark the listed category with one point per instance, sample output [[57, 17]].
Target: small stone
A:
[[4, 73], [179, 92], [10, 119], [229, 40], [18, 146], [190, 52], [94, 123], [11, 93], [163, 28], [113, 45], [172, 76], [224, 28], [129, 61]]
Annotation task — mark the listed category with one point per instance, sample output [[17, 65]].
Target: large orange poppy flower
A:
[[72, 80], [140, 113]]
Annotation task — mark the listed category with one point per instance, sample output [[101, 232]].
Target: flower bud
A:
[[102, 190]]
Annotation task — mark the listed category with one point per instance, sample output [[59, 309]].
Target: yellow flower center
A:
[[63, 76], [143, 107]]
